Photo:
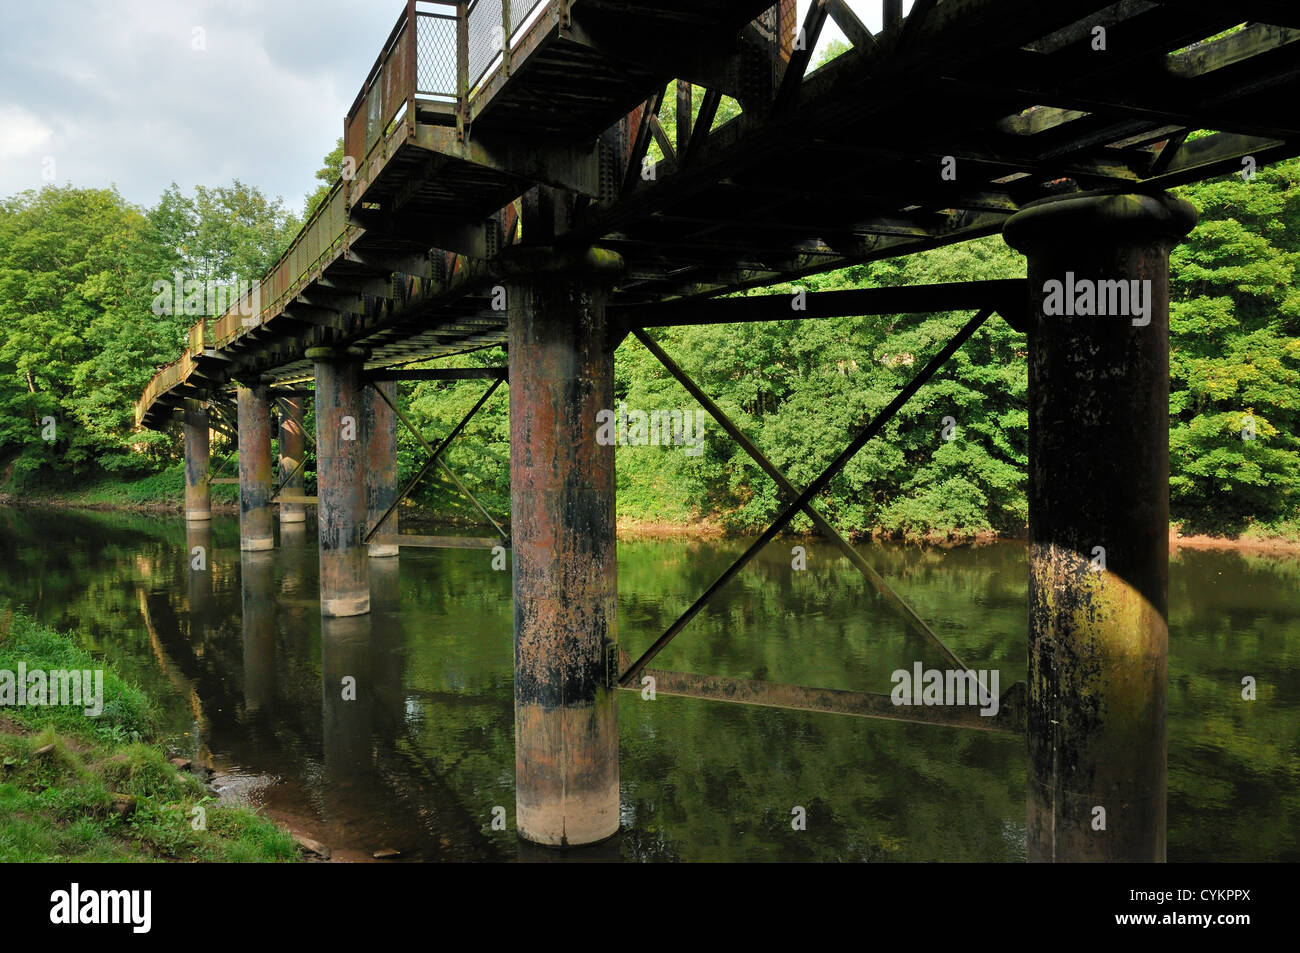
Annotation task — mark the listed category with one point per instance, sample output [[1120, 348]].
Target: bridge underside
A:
[[932, 132]]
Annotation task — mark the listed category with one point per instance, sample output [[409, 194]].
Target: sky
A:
[[138, 94]]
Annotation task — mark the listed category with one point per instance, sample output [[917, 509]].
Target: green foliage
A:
[[1235, 354], [77, 266], [62, 773]]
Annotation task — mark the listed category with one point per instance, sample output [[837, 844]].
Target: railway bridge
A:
[[512, 181]]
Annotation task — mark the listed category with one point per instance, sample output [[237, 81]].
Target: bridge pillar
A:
[[256, 531], [381, 464], [292, 447], [341, 480], [1098, 521], [565, 575], [197, 491]]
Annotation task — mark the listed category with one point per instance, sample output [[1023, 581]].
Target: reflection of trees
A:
[[700, 780]]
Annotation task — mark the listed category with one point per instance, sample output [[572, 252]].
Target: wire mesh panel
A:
[[436, 52], [486, 37], [519, 11]]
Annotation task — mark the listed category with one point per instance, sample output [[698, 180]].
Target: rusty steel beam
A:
[[256, 530], [1098, 526], [1003, 295], [439, 374], [341, 480], [565, 573], [441, 542], [381, 462], [198, 506], [893, 599], [819, 484], [292, 449], [434, 458]]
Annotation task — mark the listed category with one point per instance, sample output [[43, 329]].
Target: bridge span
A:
[[511, 180]]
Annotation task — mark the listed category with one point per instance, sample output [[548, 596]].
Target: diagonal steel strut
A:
[[817, 485], [435, 457], [894, 599]]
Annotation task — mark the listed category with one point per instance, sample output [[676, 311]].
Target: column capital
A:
[[531, 262], [350, 353], [1072, 221]]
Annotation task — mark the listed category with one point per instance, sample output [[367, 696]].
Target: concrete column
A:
[[292, 446], [256, 531], [381, 464], [1098, 521], [197, 505], [341, 480], [565, 575]]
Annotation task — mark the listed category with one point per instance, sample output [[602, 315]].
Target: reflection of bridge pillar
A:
[[257, 594], [562, 527], [1098, 477], [381, 463], [292, 445], [197, 504], [255, 518], [341, 480], [387, 639], [347, 696], [198, 536]]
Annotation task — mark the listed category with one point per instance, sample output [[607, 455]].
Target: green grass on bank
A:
[[78, 788], [166, 488]]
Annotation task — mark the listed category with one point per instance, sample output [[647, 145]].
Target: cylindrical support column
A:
[[1098, 521], [565, 575], [381, 463], [256, 530], [341, 480], [197, 498], [292, 446]]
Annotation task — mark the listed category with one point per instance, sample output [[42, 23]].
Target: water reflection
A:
[[418, 760]]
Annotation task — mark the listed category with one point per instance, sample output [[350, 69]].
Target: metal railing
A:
[[439, 52]]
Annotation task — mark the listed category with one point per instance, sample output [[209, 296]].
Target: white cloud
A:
[[21, 133]]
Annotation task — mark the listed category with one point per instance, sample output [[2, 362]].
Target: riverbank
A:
[[81, 786], [164, 493]]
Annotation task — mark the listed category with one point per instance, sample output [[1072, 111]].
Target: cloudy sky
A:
[[141, 93]]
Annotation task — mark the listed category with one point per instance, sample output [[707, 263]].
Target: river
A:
[[422, 760]]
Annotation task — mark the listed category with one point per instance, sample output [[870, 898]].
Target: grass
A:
[[99, 789]]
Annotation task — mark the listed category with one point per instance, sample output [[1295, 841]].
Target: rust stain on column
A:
[[381, 464], [565, 576], [341, 480], [197, 504], [1098, 489], [292, 446], [256, 531]]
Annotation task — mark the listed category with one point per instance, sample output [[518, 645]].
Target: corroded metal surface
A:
[[197, 504], [341, 481], [381, 463], [255, 517], [1098, 532], [565, 576], [292, 446]]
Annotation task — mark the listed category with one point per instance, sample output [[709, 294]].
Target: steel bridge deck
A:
[[818, 171]]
